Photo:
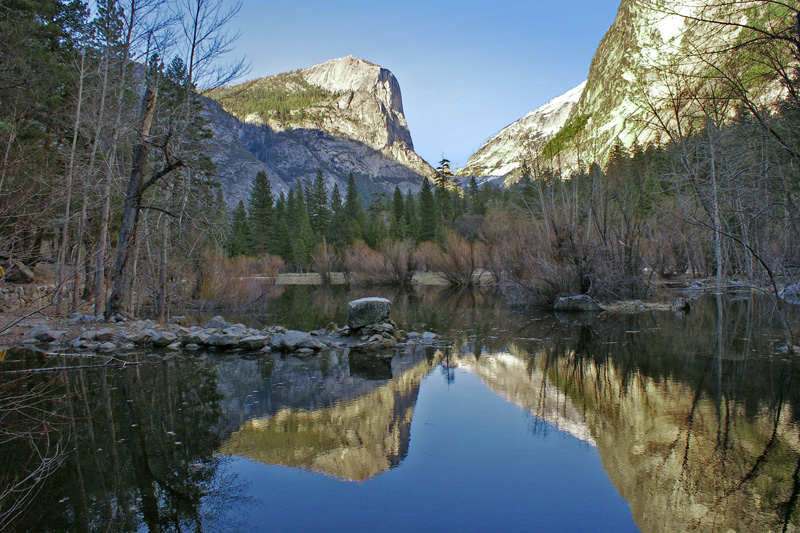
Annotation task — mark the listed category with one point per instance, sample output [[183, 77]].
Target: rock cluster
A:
[[370, 331], [18, 297]]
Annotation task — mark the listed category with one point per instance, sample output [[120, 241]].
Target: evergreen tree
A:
[[410, 216], [337, 230], [444, 203], [303, 242], [318, 211], [428, 216], [353, 212], [477, 198], [241, 234], [261, 214], [398, 229]]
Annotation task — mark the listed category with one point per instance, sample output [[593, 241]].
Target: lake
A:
[[513, 420]]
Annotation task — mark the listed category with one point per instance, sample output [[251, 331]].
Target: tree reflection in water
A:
[[113, 449], [693, 415]]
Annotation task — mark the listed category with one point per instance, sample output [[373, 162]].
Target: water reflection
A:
[[693, 416], [352, 440]]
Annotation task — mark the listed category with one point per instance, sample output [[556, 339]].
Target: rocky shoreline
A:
[[370, 331]]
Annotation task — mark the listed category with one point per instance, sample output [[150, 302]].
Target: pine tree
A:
[[241, 233], [303, 243], [261, 214], [410, 216], [398, 229], [443, 203], [477, 200], [318, 211], [337, 230], [428, 216], [353, 212]]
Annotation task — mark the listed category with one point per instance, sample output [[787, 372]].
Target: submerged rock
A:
[[577, 303], [367, 311]]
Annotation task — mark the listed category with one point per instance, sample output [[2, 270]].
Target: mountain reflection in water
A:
[[692, 417]]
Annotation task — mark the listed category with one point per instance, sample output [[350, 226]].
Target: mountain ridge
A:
[[342, 116]]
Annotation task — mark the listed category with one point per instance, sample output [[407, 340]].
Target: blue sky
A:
[[466, 69]]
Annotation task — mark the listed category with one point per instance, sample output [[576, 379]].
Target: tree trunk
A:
[[130, 212]]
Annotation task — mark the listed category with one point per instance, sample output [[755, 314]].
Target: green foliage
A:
[[261, 215], [568, 133], [239, 242], [283, 96]]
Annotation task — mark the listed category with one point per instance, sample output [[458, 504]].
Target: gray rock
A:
[[35, 330], [224, 340], [195, 337], [135, 337], [217, 323], [19, 273], [253, 342], [413, 335], [108, 347], [191, 346], [48, 335], [303, 352], [428, 336], [791, 294], [77, 318], [293, 340], [175, 346], [104, 335], [577, 303], [165, 338], [367, 311]]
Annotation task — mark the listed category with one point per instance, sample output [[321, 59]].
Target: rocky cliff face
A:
[[650, 46], [342, 116], [501, 155]]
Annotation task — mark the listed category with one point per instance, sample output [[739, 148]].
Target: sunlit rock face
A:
[[352, 440], [651, 48], [502, 155], [516, 379], [683, 460], [354, 125]]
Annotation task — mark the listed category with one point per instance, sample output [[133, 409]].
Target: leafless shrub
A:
[[394, 265], [239, 281], [457, 260], [400, 260], [323, 261]]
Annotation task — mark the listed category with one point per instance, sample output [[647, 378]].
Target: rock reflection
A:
[[352, 440], [694, 429]]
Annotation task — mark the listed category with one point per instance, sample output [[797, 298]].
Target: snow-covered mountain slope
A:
[[654, 50], [501, 155]]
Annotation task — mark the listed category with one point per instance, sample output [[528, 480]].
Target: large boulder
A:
[[577, 303], [791, 294], [367, 311], [217, 323], [293, 340], [19, 273]]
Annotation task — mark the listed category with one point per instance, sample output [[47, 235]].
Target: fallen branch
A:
[[76, 367]]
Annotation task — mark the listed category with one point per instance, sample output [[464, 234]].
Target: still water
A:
[[514, 421]]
